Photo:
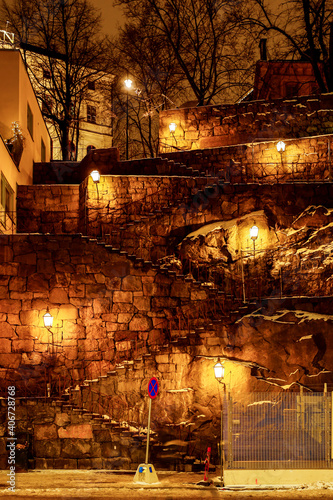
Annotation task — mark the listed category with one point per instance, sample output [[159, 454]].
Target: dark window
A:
[[292, 89], [91, 114], [42, 151], [91, 85], [30, 121], [7, 200]]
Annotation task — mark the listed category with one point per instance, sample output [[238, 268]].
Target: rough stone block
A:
[[62, 419], [79, 448], [81, 431], [6, 331], [47, 448], [132, 283], [45, 431], [122, 296], [22, 345]]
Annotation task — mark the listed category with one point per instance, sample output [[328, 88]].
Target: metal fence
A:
[[278, 431]]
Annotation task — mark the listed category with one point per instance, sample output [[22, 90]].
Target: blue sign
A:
[[153, 388]]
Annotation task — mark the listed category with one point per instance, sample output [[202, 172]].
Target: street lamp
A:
[[254, 235], [172, 130], [48, 322], [128, 85], [95, 175], [219, 375], [281, 147]]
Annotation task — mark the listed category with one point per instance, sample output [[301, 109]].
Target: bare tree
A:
[[304, 30], [64, 53], [205, 39], [139, 55]]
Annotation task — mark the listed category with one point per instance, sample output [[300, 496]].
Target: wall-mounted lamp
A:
[[95, 175], [254, 231], [172, 127]]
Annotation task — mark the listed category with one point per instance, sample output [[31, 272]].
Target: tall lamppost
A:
[[254, 235], [281, 147], [219, 375], [48, 322], [172, 130], [128, 85]]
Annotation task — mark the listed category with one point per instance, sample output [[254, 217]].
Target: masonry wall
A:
[[60, 438], [48, 209], [104, 307], [215, 126]]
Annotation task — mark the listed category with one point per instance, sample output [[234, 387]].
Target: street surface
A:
[[113, 485]]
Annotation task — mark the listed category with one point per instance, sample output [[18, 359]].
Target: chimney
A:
[[262, 47]]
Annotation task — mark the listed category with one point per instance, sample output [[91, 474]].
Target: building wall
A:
[[284, 79], [15, 94], [216, 126]]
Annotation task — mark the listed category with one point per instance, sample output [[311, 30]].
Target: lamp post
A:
[[254, 235], [95, 175], [128, 85], [172, 129], [281, 147], [219, 375], [48, 322]]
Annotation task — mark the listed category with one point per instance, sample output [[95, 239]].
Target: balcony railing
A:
[[7, 222]]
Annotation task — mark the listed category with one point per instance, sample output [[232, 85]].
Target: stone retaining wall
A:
[[103, 307], [48, 209], [61, 438], [259, 156], [222, 125]]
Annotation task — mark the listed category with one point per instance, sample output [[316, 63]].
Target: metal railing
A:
[[7, 222], [279, 430]]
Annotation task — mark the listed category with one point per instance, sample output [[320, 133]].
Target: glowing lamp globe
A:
[[128, 83], [254, 232], [48, 320], [219, 371], [172, 127], [95, 175], [281, 146]]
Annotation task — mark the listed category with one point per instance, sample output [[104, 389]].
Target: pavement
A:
[[112, 485]]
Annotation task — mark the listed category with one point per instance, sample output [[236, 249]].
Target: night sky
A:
[[111, 16]]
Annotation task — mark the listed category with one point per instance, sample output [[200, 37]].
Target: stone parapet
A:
[[231, 124]]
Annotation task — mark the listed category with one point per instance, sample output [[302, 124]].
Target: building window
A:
[[90, 148], [7, 200], [291, 89], [91, 114], [42, 151], [91, 85], [30, 121]]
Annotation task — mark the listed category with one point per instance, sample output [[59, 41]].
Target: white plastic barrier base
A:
[[145, 474]]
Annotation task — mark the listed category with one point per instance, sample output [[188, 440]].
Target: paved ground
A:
[[112, 485]]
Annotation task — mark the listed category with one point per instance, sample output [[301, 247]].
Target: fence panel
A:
[[280, 430]]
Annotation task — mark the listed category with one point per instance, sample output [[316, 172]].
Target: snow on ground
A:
[[111, 485]]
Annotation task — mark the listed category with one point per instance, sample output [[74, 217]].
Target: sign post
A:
[[146, 472]]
